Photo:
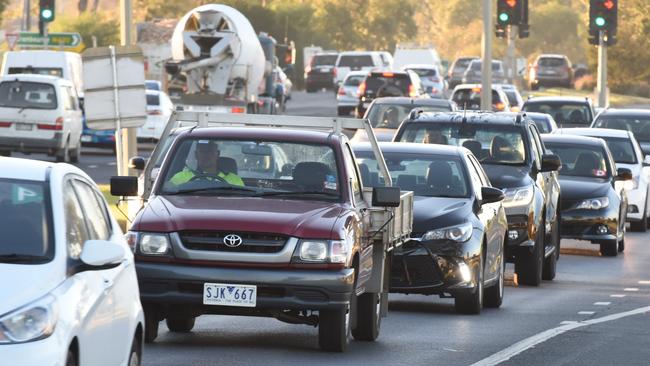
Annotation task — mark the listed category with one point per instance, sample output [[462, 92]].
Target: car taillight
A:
[[412, 91], [388, 75], [499, 106], [362, 88], [155, 112], [238, 110], [57, 126], [341, 91], [5, 124]]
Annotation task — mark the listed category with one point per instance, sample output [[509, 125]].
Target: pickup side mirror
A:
[[646, 160], [386, 196], [550, 163], [100, 255], [124, 186], [137, 163], [491, 194], [623, 174]]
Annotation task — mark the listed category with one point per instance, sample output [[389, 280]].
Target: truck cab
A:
[[265, 221]]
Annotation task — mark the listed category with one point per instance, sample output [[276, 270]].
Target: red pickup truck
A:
[[268, 219]]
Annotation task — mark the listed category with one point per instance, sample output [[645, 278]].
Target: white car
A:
[[432, 81], [67, 278], [40, 114], [627, 154], [360, 61], [347, 97], [159, 108]]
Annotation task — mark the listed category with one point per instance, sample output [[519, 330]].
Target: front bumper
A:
[[32, 145], [584, 225], [173, 285], [414, 270], [51, 351]]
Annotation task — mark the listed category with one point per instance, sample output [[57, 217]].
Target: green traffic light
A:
[[46, 14], [600, 21], [503, 17]]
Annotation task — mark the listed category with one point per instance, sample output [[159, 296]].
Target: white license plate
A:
[[86, 138], [229, 295], [23, 127]]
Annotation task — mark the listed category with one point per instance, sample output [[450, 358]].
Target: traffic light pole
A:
[[602, 71], [128, 135], [510, 54], [486, 54]]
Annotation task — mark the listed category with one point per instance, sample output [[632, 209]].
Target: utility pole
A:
[[128, 136], [603, 94], [486, 55], [27, 21], [513, 30]]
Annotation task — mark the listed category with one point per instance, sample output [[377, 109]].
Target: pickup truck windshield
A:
[[247, 167], [26, 224], [24, 94], [490, 143], [428, 175]]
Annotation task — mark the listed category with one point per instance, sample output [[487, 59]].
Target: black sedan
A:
[[459, 223], [593, 200]]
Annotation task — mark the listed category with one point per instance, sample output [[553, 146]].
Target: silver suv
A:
[[551, 70]]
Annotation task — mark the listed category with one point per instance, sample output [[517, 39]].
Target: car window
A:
[[476, 66], [471, 98], [151, 85], [76, 231], [639, 125], [551, 62], [562, 112], [384, 115], [461, 64], [580, 160], [94, 212], [536, 148], [512, 96], [425, 72], [354, 80], [543, 124], [24, 94], [426, 175], [485, 181], [26, 224], [323, 60], [388, 85], [51, 71], [356, 61], [153, 100], [622, 150]]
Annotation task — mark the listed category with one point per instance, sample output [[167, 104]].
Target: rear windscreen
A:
[[23, 94], [471, 99], [153, 99], [388, 86], [425, 72], [551, 62], [324, 60], [356, 61], [562, 112], [354, 80], [52, 71]]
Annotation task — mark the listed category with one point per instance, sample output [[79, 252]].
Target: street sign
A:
[[35, 40], [11, 39], [115, 96]]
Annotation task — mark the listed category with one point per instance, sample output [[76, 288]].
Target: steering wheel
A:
[[207, 177]]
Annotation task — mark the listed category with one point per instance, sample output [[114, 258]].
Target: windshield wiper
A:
[[212, 189], [21, 258], [298, 193]]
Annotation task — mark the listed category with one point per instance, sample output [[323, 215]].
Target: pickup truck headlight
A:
[[592, 204], [460, 233], [322, 251], [521, 196], [149, 243], [30, 323]]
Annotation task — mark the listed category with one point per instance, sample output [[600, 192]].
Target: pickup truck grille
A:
[[211, 241]]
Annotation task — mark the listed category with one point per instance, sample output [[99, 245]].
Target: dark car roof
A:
[[557, 100], [538, 115], [572, 139], [411, 148], [481, 117], [278, 134], [625, 112], [413, 101]]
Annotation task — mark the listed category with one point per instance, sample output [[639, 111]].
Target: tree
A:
[[105, 29]]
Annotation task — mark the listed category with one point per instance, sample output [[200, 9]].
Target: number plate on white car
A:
[[229, 295], [23, 127]]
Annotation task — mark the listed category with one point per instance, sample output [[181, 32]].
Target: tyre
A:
[[529, 266], [71, 359], [471, 301], [334, 329], [368, 317], [493, 297], [151, 324], [609, 248], [550, 263], [135, 356], [63, 155], [179, 324]]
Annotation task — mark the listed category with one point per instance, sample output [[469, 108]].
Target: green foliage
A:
[[88, 25]]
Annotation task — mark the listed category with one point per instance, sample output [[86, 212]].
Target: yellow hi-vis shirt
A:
[[186, 174]]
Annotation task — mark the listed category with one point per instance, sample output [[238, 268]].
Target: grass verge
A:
[[112, 201]]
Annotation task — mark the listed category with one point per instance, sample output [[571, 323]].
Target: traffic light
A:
[[603, 17], [46, 11], [509, 12]]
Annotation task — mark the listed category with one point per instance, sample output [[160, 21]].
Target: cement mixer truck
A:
[[220, 64]]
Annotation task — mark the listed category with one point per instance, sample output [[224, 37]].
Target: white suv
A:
[[67, 279], [40, 114]]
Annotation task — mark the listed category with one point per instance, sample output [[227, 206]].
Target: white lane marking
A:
[[521, 346], [451, 350], [112, 163], [92, 166], [617, 295], [586, 312], [631, 289], [602, 303], [644, 282]]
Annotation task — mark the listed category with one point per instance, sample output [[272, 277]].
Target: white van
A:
[[66, 65], [361, 61], [40, 114], [406, 54]]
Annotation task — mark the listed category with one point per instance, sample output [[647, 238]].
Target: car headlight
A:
[[30, 323], [323, 251], [460, 233], [592, 204], [151, 243], [521, 196]]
